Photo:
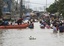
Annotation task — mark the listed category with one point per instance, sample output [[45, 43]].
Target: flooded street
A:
[[21, 37]]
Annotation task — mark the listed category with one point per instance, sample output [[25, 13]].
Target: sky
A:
[[38, 4]]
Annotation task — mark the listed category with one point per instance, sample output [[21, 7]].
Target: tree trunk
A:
[[1, 4]]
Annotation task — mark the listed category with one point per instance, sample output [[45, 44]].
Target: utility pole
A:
[[27, 4], [21, 8], [46, 5], [23, 2], [56, 0], [44, 8], [1, 3]]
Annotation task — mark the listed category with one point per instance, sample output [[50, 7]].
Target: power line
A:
[[35, 3]]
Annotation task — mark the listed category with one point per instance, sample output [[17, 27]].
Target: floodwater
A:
[[40, 37]]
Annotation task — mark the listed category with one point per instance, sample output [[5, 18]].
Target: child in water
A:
[[54, 29]]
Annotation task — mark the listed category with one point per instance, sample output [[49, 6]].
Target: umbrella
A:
[[27, 14]]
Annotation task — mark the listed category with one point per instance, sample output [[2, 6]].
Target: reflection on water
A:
[[18, 37]]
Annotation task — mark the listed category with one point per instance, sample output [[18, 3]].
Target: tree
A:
[[1, 4], [57, 6], [61, 7], [53, 8], [0, 12]]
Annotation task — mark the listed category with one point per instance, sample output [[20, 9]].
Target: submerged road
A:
[[31, 37]]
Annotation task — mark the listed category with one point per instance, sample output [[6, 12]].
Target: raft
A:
[[22, 26]]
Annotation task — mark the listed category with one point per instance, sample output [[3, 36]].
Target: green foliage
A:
[[57, 6], [52, 8], [61, 7]]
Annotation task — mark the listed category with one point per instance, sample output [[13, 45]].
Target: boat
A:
[[21, 26]]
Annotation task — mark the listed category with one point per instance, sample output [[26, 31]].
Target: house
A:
[[6, 10], [6, 6]]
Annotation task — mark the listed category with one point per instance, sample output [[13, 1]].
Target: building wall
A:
[[7, 6]]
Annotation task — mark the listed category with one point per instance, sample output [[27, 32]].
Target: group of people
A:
[[16, 22], [58, 25], [3, 22], [10, 22], [44, 24], [31, 24]]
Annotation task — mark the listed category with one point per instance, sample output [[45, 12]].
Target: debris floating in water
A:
[[32, 38]]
